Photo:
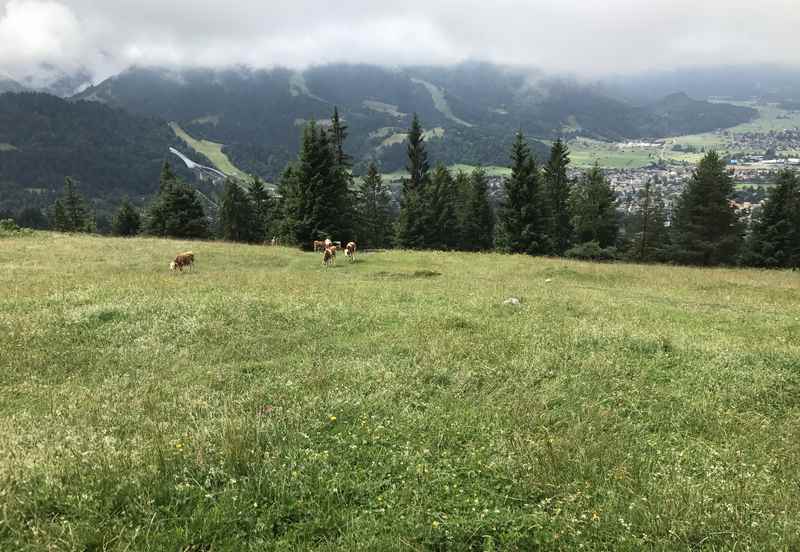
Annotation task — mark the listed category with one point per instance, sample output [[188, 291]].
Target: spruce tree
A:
[[126, 221], [236, 215], [647, 226], [70, 213], [477, 232], [441, 216], [374, 210], [558, 190], [338, 136], [319, 203], [411, 231], [522, 226], [706, 228], [262, 209], [59, 221], [593, 207], [775, 238], [176, 211]]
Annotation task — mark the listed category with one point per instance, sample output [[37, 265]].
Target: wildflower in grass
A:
[[595, 516], [435, 524], [333, 418]]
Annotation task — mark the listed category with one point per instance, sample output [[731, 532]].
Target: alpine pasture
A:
[[265, 402]]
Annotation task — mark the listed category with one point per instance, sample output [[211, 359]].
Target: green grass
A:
[[263, 402], [770, 118], [212, 150], [585, 152]]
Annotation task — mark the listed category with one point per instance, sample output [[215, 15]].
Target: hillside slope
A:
[[618, 407], [109, 152]]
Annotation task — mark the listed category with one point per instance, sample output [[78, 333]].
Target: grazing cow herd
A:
[[328, 248]]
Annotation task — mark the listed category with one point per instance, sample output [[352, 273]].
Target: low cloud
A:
[[588, 38]]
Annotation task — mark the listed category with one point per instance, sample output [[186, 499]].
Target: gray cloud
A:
[[579, 36]]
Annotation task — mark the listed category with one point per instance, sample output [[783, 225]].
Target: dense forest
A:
[[107, 151]]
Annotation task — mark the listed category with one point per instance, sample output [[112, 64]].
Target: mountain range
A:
[[255, 118]]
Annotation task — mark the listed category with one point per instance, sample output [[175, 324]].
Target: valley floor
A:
[[262, 402]]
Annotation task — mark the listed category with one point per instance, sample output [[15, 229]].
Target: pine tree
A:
[[411, 231], [126, 221], [706, 229], [176, 211], [70, 213], [593, 208], [167, 177], [318, 204], [647, 228], [339, 135], [558, 190], [236, 216], [59, 221], [374, 210], [262, 209], [440, 215], [775, 238], [521, 220], [477, 231]]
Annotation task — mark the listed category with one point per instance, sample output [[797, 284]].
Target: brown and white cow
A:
[[350, 250], [182, 260], [319, 245], [328, 257]]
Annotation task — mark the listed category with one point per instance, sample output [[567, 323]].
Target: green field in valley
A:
[[263, 402], [212, 150]]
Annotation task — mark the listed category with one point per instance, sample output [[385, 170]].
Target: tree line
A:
[[542, 210]]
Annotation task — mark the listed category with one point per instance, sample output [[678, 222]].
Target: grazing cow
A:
[[319, 245], [338, 244], [350, 250], [328, 257], [182, 260], [333, 249]]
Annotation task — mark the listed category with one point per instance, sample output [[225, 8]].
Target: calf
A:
[[350, 250]]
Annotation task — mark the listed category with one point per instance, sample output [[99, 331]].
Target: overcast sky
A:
[[583, 37]]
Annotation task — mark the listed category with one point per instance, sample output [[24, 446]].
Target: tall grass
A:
[[263, 402]]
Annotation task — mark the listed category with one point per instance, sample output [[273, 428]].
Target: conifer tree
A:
[[59, 221], [176, 211], [338, 136], [411, 231], [70, 213], [374, 210], [647, 227], [521, 220], [441, 217], [775, 238], [126, 221], [318, 204], [478, 221], [558, 189], [706, 228], [593, 207], [262, 209], [236, 216]]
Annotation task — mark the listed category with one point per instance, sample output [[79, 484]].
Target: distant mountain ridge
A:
[[473, 110]]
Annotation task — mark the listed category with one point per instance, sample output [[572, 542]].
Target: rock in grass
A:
[[512, 301]]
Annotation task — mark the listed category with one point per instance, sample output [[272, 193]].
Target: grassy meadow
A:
[[263, 402], [212, 150]]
